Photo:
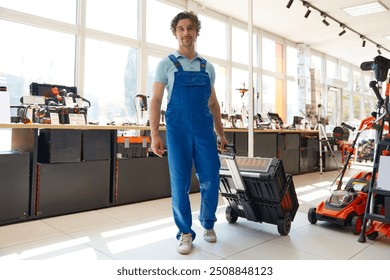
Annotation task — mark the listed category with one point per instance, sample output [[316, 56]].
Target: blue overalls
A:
[[191, 139]]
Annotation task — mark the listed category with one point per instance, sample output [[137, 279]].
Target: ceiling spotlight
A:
[[364, 41], [307, 13], [289, 4], [308, 8], [324, 20], [379, 49], [342, 32]]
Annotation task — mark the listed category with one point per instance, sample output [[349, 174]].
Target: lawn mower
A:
[[346, 206]]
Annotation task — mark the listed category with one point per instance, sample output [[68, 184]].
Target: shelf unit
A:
[[375, 220]]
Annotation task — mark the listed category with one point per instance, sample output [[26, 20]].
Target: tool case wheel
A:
[[284, 225], [231, 217], [311, 215]]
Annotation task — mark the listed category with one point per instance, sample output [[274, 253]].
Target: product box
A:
[[383, 182]]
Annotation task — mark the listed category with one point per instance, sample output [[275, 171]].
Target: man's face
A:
[[186, 33]]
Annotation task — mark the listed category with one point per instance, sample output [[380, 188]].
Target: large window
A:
[[331, 69], [333, 107], [346, 103], [152, 66], [239, 45], [61, 10], [111, 57], [31, 54], [110, 81], [292, 101], [268, 94], [272, 55], [316, 63], [113, 16], [292, 61], [158, 31], [239, 102], [212, 39], [220, 86], [344, 73]]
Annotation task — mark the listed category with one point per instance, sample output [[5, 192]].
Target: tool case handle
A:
[[229, 152]]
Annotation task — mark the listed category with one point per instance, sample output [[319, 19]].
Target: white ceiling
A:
[[274, 17]]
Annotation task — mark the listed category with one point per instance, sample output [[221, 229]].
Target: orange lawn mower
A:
[[346, 206]]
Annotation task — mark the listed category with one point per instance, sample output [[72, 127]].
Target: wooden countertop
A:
[[71, 126], [135, 127]]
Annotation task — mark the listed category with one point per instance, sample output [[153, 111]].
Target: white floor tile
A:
[[26, 232], [61, 247], [80, 221]]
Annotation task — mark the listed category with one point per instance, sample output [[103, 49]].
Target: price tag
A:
[[73, 118], [81, 119], [69, 101], [54, 119]]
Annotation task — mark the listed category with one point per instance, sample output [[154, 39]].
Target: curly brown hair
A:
[[184, 15]]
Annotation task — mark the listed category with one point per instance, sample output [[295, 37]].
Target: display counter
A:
[[61, 169]]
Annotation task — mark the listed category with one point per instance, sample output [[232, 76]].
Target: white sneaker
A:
[[185, 244], [209, 235]]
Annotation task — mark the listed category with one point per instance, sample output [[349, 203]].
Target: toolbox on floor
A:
[[257, 189]]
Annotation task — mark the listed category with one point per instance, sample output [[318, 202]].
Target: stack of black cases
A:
[[259, 190]]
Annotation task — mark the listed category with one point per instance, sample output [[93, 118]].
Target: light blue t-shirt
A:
[[165, 70]]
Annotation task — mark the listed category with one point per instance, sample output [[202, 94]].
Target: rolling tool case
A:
[[257, 189]]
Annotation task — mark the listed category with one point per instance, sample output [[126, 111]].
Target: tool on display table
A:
[[48, 101]]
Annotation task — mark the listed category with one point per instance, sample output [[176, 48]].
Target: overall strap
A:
[[176, 62], [202, 64]]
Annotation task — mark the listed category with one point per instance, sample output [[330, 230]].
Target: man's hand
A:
[[157, 146], [222, 142]]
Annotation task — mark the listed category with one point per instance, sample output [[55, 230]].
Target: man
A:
[[192, 115]]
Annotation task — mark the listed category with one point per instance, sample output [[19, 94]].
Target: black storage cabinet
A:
[[96, 145], [141, 179], [59, 145], [309, 154], [64, 188], [266, 145], [331, 163], [289, 149], [132, 187], [14, 186]]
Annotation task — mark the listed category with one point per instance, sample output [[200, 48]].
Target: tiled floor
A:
[[146, 230]]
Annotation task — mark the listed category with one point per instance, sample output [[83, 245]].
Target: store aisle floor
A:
[[144, 231]]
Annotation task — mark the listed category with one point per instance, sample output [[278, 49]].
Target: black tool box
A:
[[258, 189], [45, 89]]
